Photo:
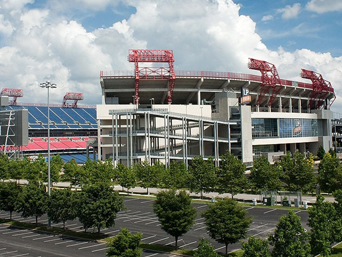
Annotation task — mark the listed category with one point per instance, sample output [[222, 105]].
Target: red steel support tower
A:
[[153, 73], [12, 92], [269, 79], [72, 96], [320, 88]]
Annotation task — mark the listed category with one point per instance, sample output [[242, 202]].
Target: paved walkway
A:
[[239, 197], [211, 195]]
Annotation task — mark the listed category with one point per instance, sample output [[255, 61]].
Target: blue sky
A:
[[302, 28], [70, 42]]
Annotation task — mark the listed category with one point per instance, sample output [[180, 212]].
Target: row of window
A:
[[284, 128]]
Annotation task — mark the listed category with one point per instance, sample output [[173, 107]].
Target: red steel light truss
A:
[[320, 88], [12, 92], [72, 96], [269, 79], [153, 73]]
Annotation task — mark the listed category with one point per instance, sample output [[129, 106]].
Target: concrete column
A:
[[302, 147], [283, 148], [290, 104], [293, 147], [246, 134]]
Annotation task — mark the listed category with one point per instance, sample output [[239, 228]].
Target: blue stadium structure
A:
[[72, 131]]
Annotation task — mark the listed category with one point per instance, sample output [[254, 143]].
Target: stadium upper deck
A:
[[191, 87]]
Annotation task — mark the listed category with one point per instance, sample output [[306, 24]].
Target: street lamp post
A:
[[48, 85]]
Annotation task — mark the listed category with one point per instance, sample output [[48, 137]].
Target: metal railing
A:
[[211, 74]]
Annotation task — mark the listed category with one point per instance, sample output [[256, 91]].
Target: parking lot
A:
[[138, 217]]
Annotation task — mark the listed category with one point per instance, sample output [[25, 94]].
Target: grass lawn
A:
[[337, 251]]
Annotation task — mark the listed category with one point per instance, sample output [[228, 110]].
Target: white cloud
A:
[[290, 12], [322, 6], [205, 35], [267, 18]]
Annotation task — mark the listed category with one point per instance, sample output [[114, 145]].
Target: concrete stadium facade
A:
[[206, 118]]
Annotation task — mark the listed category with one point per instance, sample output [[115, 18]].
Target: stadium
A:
[[160, 114], [24, 127]]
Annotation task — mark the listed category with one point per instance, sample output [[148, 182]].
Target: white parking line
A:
[[9, 252], [29, 232], [64, 242], [102, 249], [146, 201], [270, 211], [188, 244], [159, 240], [35, 234], [82, 243], [110, 232], [24, 254], [89, 246], [41, 238], [10, 232], [250, 208], [220, 248], [263, 231], [152, 255], [51, 240], [200, 228], [147, 219], [145, 238], [151, 222], [3, 249], [258, 227], [297, 212]]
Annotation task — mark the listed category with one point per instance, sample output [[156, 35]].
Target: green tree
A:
[[35, 169], [231, 175], [175, 176], [338, 221], [320, 152], [63, 205], [256, 247], [202, 175], [126, 176], [226, 221], [175, 212], [332, 153], [99, 171], [33, 200], [17, 168], [9, 197], [264, 176], [149, 175], [322, 220], [125, 244], [56, 165], [4, 167], [74, 174], [98, 206], [330, 173], [298, 172], [289, 238], [205, 249]]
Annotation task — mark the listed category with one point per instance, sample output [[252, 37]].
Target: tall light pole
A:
[[48, 85]]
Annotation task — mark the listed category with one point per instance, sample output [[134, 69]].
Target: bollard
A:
[[254, 201]]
